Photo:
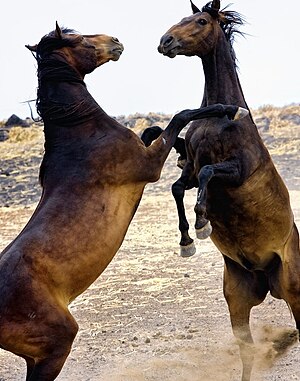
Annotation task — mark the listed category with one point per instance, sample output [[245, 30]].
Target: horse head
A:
[[198, 34], [83, 52]]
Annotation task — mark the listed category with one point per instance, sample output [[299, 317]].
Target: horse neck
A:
[[222, 84], [63, 96]]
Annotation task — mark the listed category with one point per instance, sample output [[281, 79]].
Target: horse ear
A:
[[32, 48], [58, 33], [216, 5], [194, 8]]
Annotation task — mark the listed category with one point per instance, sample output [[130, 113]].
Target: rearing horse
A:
[[242, 202], [93, 175]]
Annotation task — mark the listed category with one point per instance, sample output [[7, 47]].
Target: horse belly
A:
[[92, 237]]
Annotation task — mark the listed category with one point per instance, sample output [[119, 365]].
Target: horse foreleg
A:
[[187, 246], [161, 147], [289, 276], [202, 225], [243, 290], [230, 173], [181, 149], [150, 134]]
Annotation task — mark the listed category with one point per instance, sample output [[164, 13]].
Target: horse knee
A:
[[206, 173]]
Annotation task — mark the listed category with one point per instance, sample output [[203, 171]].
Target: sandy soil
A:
[[154, 316]]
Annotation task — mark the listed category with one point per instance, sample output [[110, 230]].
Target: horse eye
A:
[[202, 22]]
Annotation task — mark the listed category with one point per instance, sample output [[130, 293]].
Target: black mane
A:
[[229, 20], [53, 70], [51, 42]]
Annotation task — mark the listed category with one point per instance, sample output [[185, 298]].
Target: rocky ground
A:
[[152, 315]]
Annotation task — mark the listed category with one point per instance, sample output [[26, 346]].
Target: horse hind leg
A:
[[243, 290], [30, 366], [289, 275], [48, 369], [56, 350], [45, 344]]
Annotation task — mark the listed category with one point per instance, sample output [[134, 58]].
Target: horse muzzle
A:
[[169, 46], [117, 51]]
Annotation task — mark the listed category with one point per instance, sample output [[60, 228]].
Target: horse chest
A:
[[208, 145]]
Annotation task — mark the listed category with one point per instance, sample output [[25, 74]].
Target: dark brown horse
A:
[[242, 202], [93, 175]]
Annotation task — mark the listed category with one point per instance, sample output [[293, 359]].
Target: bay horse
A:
[[242, 202], [93, 174]]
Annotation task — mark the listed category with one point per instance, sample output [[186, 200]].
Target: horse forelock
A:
[[208, 9]]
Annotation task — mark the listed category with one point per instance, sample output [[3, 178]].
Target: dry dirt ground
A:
[[152, 315]]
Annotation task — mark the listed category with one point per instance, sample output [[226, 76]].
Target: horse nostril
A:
[[167, 40]]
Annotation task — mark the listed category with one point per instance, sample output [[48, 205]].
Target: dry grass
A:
[[267, 118], [279, 117], [24, 135]]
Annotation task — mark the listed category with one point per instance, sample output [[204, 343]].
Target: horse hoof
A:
[[187, 251], [241, 113], [181, 163], [204, 232]]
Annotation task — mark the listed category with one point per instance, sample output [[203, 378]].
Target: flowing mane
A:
[[229, 21]]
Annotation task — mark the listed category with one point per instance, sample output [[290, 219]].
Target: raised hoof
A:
[[204, 232], [187, 251], [181, 163], [241, 113]]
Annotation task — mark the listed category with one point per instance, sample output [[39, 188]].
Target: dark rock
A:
[[4, 135], [14, 120], [263, 123], [293, 118]]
